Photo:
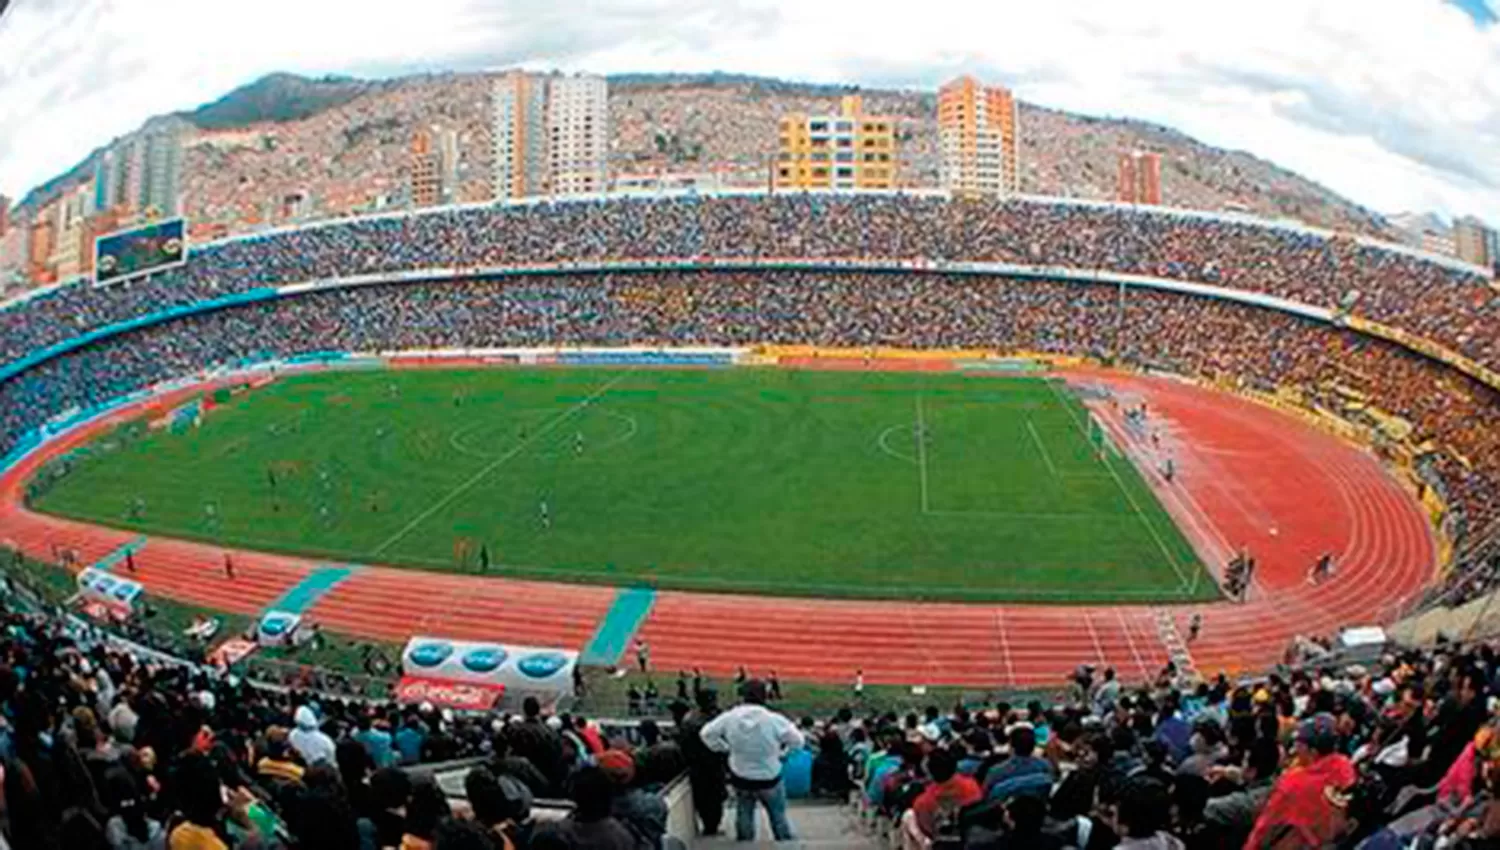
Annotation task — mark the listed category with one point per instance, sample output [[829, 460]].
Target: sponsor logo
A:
[[484, 660], [275, 625], [430, 654], [449, 694], [542, 664]]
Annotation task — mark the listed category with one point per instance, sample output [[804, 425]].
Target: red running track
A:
[[1243, 470]]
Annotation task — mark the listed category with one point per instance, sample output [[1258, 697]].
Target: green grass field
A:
[[756, 480]]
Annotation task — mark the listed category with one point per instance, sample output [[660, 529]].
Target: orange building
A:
[[850, 150], [1139, 180], [426, 174], [978, 133]]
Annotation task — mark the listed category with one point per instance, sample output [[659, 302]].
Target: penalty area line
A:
[[491, 467], [1187, 586]]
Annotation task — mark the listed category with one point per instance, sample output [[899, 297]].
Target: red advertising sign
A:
[[467, 696], [231, 651]]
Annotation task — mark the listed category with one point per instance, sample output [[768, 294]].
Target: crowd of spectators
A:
[[103, 745], [1457, 418], [1449, 306], [103, 748]]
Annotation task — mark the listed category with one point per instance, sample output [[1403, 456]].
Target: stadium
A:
[[925, 449], [497, 460]]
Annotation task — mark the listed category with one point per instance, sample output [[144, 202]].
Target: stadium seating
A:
[[1117, 752]]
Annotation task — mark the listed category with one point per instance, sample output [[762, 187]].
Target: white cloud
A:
[[1394, 103]]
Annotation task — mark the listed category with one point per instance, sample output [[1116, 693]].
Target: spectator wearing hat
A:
[[643, 813], [1303, 806], [308, 740], [756, 739]]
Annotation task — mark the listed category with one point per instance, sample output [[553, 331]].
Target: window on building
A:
[[784, 172], [846, 142], [820, 172], [844, 156], [846, 172], [818, 126], [844, 126]]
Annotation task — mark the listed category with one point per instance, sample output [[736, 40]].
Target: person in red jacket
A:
[[1306, 806], [939, 803]]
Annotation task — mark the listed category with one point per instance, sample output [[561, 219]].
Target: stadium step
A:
[[1177, 648], [816, 824]]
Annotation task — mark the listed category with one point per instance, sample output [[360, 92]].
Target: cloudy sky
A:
[[1394, 103]]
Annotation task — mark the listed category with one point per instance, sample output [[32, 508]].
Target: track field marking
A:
[[483, 473], [1010, 667], [1130, 639], [922, 451], [1046, 457], [1187, 585]]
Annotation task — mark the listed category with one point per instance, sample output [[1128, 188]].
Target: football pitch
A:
[[932, 486]]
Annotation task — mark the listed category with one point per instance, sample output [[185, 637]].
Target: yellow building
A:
[[850, 150], [978, 133]]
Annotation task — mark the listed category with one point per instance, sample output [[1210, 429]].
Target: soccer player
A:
[[137, 509], [542, 509], [578, 443], [643, 655], [1195, 626], [229, 566]]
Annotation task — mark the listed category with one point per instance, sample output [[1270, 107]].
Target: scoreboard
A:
[[139, 251]]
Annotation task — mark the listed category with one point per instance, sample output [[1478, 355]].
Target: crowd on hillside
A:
[[1451, 307], [1197, 336], [102, 749]]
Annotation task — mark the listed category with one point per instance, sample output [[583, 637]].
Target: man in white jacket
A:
[[756, 738], [308, 740]]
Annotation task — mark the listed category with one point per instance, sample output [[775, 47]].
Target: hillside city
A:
[[286, 150]]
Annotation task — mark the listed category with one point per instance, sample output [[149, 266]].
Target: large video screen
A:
[[140, 250]]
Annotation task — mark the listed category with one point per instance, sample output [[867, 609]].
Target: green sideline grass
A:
[[747, 480]]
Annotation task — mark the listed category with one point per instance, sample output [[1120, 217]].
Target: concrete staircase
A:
[[817, 824]]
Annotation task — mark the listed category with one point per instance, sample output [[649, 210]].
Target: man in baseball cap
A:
[[1306, 806]]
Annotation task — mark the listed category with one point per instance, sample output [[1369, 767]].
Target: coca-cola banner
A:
[[465, 696], [519, 670]]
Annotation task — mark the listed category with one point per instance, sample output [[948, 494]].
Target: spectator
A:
[[756, 739], [1303, 804], [937, 808], [643, 813], [308, 740], [1022, 772], [591, 827]]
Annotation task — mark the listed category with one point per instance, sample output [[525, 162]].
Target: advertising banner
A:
[[465, 696], [113, 592], [518, 671]]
